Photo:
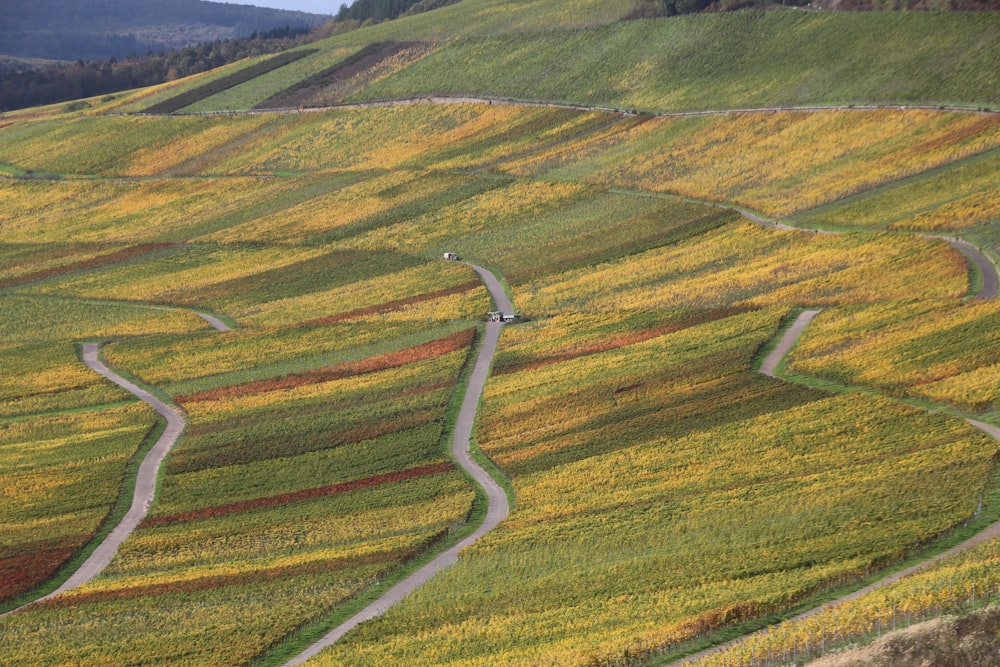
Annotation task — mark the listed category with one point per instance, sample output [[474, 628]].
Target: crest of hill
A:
[[102, 29], [744, 59], [541, 51]]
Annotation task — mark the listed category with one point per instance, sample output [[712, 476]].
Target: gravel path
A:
[[496, 498], [989, 270], [216, 323], [145, 483], [770, 365], [443, 99]]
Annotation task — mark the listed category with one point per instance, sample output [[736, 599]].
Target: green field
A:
[[746, 59], [723, 61]]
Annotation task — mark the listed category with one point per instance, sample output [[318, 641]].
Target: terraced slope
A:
[[663, 488]]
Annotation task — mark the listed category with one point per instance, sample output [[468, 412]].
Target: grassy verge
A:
[[11, 170]]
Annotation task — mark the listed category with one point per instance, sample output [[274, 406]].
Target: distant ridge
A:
[[103, 29]]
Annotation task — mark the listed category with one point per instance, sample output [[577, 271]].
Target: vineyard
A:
[[662, 489], [910, 348], [720, 61]]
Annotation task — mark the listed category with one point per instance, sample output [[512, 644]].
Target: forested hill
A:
[[102, 29]]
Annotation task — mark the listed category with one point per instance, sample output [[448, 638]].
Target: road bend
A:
[[497, 506], [145, 483]]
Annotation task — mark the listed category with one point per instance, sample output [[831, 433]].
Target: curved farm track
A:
[[989, 271], [145, 485], [149, 469], [145, 482], [497, 505]]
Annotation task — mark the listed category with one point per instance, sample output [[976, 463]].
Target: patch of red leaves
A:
[[391, 306], [380, 362], [239, 579], [33, 564], [955, 136], [297, 496], [101, 260]]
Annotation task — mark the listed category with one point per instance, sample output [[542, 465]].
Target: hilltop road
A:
[[499, 101], [497, 507]]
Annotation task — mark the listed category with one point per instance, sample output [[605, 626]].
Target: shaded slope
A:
[[309, 92]]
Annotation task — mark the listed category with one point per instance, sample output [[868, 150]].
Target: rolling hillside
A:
[[693, 63], [637, 186]]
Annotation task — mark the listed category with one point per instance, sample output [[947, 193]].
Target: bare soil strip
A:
[[497, 507], [145, 483]]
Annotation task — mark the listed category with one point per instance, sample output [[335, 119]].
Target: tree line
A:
[[657, 8], [386, 10], [24, 85]]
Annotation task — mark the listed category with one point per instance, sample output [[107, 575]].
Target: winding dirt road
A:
[[497, 507], [989, 270], [145, 483], [216, 323], [769, 367]]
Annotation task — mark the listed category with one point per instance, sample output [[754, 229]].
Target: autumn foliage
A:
[[382, 362], [295, 496]]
